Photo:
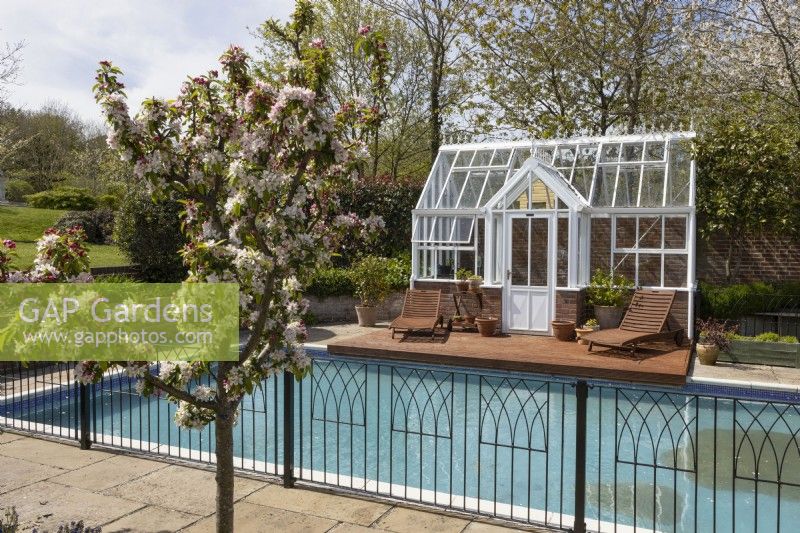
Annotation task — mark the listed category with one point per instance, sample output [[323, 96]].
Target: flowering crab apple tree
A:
[[61, 256], [257, 165]]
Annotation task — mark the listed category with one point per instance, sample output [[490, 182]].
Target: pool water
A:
[[496, 443]]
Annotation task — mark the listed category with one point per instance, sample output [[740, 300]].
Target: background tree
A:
[[748, 184], [258, 164], [751, 47], [558, 68]]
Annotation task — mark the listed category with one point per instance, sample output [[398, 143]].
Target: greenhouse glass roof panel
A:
[[623, 171]]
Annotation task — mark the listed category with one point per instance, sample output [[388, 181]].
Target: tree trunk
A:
[[435, 119], [224, 451]]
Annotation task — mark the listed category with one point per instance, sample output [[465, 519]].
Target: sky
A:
[[156, 43]]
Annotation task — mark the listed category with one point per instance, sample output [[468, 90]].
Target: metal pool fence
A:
[[569, 454]]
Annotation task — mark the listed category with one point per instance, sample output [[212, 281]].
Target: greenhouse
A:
[[536, 218]]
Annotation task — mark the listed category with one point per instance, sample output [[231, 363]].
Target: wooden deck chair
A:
[[420, 312], [645, 321]]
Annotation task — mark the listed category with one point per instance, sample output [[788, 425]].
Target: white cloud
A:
[[157, 44]]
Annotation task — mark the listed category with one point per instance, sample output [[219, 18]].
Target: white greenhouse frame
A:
[[644, 185]]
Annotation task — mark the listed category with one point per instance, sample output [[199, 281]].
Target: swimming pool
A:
[[700, 458]]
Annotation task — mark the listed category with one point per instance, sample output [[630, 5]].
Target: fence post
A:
[[288, 429], [581, 395], [83, 403]]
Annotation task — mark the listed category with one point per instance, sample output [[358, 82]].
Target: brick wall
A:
[[765, 258], [342, 310], [570, 305], [491, 297]]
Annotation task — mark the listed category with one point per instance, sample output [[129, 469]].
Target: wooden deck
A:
[[664, 364]]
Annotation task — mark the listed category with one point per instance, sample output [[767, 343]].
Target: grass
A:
[[25, 225]]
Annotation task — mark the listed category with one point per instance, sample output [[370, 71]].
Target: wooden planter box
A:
[[763, 353]]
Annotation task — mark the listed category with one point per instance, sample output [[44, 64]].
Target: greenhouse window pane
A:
[[610, 153], [452, 189], [520, 156], [604, 186], [521, 201], [582, 180], [652, 194], [679, 167], [541, 196], [482, 158], [565, 156], [650, 232], [649, 270], [466, 259], [501, 157], [472, 190], [654, 151], [462, 231], [587, 155], [545, 153], [464, 158], [675, 269], [442, 228], [436, 180], [627, 186], [600, 243], [625, 265], [444, 264], [422, 229], [493, 184], [675, 233], [632, 152], [626, 232]]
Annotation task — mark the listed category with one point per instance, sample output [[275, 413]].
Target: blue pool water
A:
[[498, 443]]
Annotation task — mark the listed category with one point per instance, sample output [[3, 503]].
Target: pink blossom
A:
[[319, 42], [363, 30], [8, 243]]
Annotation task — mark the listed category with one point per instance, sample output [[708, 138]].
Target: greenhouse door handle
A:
[[508, 274]]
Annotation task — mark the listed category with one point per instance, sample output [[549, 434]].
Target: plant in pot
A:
[[462, 279], [608, 293], [371, 287], [588, 326], [714, 337], [487, 325], [475, 283]]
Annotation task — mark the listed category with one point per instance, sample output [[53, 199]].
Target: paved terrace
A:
[[52, 482]]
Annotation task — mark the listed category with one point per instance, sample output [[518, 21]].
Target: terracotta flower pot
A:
[[707, 354], [580, 332], [564, 330], [469, 319], [475, 285], [367, 315], [462, 285], [487, 327]]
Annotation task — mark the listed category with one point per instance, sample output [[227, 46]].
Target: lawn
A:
[[26, 224]]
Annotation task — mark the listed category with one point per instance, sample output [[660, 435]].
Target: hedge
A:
[[17, 190], [743, 299], [339, 281], [73, 198]]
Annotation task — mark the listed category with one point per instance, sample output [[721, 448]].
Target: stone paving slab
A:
[[113, 471], [252, 517], [197, 489], [52, 453], [46, 505], [15, 473], [404, 520], [8, 437], [339, 508], [354, 528], [151, 519]]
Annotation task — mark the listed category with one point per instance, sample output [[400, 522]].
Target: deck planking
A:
[[659, 363]]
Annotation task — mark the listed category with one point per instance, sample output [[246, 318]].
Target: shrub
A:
[[716, 333], [97, 223], [17, 190], [743, 299], [110, 201], [370, 280], [149, 234], [398, 272], [330, 282], [63, 198], [115, 278], [769, 337], [607, 289]]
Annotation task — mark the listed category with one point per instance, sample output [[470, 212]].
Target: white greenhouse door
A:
[[530, 244]]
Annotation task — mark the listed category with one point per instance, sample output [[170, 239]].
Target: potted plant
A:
[[563, 330], [462, 279], [609, 294], [457, 320], [475, 283], [714, 337], [487, 326], [371, 287], [588, 326]]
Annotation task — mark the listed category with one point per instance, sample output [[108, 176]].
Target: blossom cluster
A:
[[61, 256], [257, 165]]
